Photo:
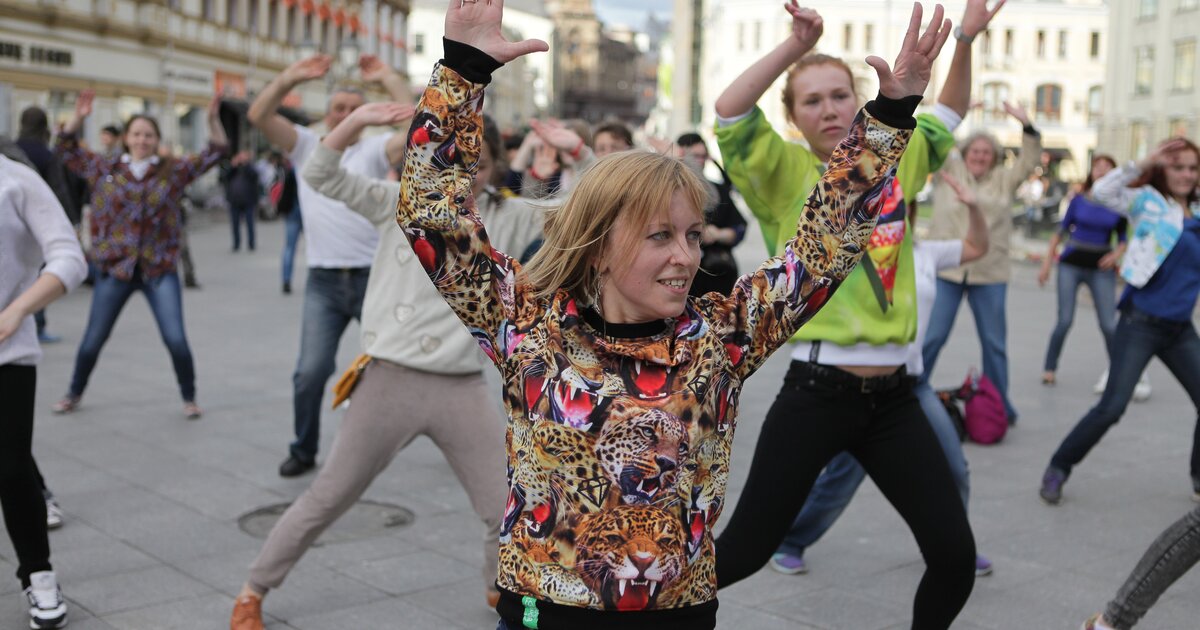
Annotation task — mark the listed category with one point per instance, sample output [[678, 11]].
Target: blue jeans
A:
[[987, 303], [1138, 338], [840, 479], [1168, 558], [332, 297], [108, 298], [1102, 284], [293, 226], [236, 215]]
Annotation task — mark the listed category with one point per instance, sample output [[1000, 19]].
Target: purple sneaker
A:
[[788, 564], [983, 566], [1052, 483]]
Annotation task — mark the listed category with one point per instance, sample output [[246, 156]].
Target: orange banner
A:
[[307, 7], [324, 12]]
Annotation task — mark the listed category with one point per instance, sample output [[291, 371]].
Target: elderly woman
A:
[[621, 390], [979, 164]]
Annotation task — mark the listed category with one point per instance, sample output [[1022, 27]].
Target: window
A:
[[758, 36], [847, 36], [1179, 128], [1049, 102], [869, 37], [1095, 103], [1139, 139], [1185, 65], [208, 9], [1143, 70], [1008, 42], [1062, 44], [1041, 44], [419, 43], [252, 18], [994, 95], [289, 33], [272, 19], [1147, 9], [987, 43], [741, 38], [231, 13], [1189, 5], [1094, 48]]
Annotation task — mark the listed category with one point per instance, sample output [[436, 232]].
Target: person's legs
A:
[[1182, 356], [1103, 285], [805, 428], [235, 218], [830, 495], [250, 211], [21, 497], [325, 317], [384, 415], [166, 302], [947, 437], [941, 322], [1168, 558], [1069, 279], [470, 431], [292, 226], [108, 298], [987, 303], [903, 457], [1136, 342]]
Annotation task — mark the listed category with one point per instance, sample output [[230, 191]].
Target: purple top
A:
[[1088, 227]]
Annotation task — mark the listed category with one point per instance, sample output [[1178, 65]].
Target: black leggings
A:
[[20, 490], [821, 412]]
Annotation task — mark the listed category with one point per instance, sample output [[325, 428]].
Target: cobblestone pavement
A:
[[152, 500]]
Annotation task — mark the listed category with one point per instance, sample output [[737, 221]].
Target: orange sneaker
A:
[[247, 614]]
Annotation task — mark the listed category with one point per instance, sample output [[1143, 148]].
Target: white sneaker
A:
[[46, 606], [54, 514], [1098, 388], [1141, 392]]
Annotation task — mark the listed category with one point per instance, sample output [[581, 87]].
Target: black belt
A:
[[1136, 314], [842, 380], [351, 270]]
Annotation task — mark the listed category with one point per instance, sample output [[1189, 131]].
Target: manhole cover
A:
[[364, 519]]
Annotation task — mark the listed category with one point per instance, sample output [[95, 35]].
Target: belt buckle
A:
[[864, 386]]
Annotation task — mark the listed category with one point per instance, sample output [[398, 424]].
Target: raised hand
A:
[[807, 25], [976, 16], [307, 69], [1017, 112], [477, 23], [1161, 155], [914, 64], [545, 161], [556, 134], [83, 104], [373, 69], [382, 114], [965, 195]]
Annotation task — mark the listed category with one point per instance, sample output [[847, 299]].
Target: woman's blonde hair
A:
[[633, 186]]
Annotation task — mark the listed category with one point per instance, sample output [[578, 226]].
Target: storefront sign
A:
[[35, 54]]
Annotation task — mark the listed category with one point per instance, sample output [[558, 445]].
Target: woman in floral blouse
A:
[[621, 389], [136, 216]]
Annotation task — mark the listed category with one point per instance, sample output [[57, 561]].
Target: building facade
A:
[[169, 57], [1153, 76], [1047, 56]]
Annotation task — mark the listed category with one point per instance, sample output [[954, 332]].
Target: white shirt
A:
[[929, 257], [336, 237], [33, 230]]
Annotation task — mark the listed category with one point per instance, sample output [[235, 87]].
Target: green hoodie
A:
[[775, 177]]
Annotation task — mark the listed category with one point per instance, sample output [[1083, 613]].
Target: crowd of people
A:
[[594, 269]]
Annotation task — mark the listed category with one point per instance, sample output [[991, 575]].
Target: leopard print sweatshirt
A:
[[619, 436]]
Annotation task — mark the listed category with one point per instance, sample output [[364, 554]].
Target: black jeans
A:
[[820, 412], [20, 489], [1139, 338]]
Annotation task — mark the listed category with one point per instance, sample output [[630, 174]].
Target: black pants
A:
[[20, 489], [820, 412]]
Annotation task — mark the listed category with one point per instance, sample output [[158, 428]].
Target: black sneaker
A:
[[1196, 489], [46, 606], [1052, 483], [294, 467], [287, 288]]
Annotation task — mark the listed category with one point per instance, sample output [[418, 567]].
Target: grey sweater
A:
[[404, 319]]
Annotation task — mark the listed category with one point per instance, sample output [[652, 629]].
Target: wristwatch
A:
[[961, 36]]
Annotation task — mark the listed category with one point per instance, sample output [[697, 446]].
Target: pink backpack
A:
[[984, 416]]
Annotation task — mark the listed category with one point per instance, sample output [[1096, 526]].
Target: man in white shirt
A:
[[341, 244]]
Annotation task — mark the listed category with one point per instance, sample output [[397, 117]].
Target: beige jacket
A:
[[995, 192], [404, 319]]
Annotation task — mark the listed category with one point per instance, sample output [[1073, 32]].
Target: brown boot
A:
[[247, 614]]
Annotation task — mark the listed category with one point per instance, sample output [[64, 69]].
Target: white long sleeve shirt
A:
[[33, 230]]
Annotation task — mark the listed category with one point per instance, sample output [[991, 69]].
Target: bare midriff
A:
[[869, 371]]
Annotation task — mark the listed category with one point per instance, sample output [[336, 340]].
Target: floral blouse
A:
[[135, 222], [619, 436]]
